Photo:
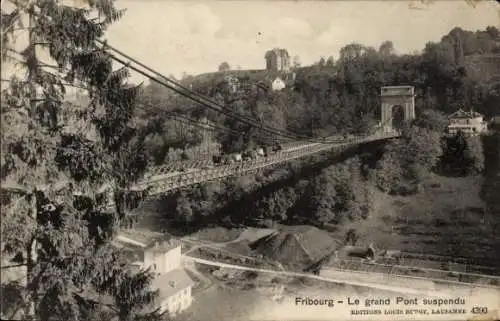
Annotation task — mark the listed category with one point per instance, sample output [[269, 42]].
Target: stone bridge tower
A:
[[396, 97]]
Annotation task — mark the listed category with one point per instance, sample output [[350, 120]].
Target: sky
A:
[[196, 36], [193, 37]]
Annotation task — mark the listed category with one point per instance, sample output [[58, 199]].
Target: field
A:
[[446, 218]]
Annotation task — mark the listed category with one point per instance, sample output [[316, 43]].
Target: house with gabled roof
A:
[[296, 247], [467, 122], [162, 254]]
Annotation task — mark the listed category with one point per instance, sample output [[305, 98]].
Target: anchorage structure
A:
[[396, 97]]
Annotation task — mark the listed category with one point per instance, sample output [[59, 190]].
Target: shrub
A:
[[407, 161], [473, 156], [462, 155], [351, 237]]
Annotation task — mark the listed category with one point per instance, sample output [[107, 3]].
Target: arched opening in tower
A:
[[398, 117]]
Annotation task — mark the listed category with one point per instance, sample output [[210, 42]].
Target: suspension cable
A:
[[205, 100]]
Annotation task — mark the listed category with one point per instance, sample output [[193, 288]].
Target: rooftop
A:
[[172, 282], [397, 87], [397, 91], [136, 239], [280, 51], [465, 114], [297, 246]]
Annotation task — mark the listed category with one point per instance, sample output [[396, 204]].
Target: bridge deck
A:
[[161, 183]]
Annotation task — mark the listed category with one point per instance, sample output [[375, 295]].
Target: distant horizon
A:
[[195, 37], [263, 67]]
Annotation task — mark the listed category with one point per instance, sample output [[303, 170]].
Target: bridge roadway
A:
[[160, 181], [175, 168]]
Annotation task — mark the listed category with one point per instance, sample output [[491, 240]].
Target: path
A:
[[406, 290]]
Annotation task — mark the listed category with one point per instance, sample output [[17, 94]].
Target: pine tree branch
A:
[[12, 266], [10, 19], [14, 51], [36, 143], [18, 4]]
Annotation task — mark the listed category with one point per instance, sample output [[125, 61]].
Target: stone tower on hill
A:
[[278, 59]]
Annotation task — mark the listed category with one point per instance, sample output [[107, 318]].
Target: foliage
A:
[[351, 237], [338, 193], [462, 155], [184, 212], [57, 156], [406, 161], [422, 147], [330, 62], [335, 195], [431, 119], [474, 156], [491, 183], [278, 206], [224, 66], [207, 198], [388, 172]]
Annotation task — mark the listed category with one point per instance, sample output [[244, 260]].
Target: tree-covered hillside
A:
[[339, 97]]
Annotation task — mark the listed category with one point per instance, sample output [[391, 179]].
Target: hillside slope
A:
[[447, 217]]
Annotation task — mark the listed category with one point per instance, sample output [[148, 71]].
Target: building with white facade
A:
[[278, 84], [162, 254], [232, 83], [468, 122]]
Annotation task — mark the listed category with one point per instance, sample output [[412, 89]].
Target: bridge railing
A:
[[178, 167], [166, 182]]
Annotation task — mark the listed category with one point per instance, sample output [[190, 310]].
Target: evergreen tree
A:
[[322, 62], [330, 62], [57, 156], [386, 49], [224, 66], [296, 62]]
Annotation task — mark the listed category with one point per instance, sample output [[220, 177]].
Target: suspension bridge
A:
[[161, 179]]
